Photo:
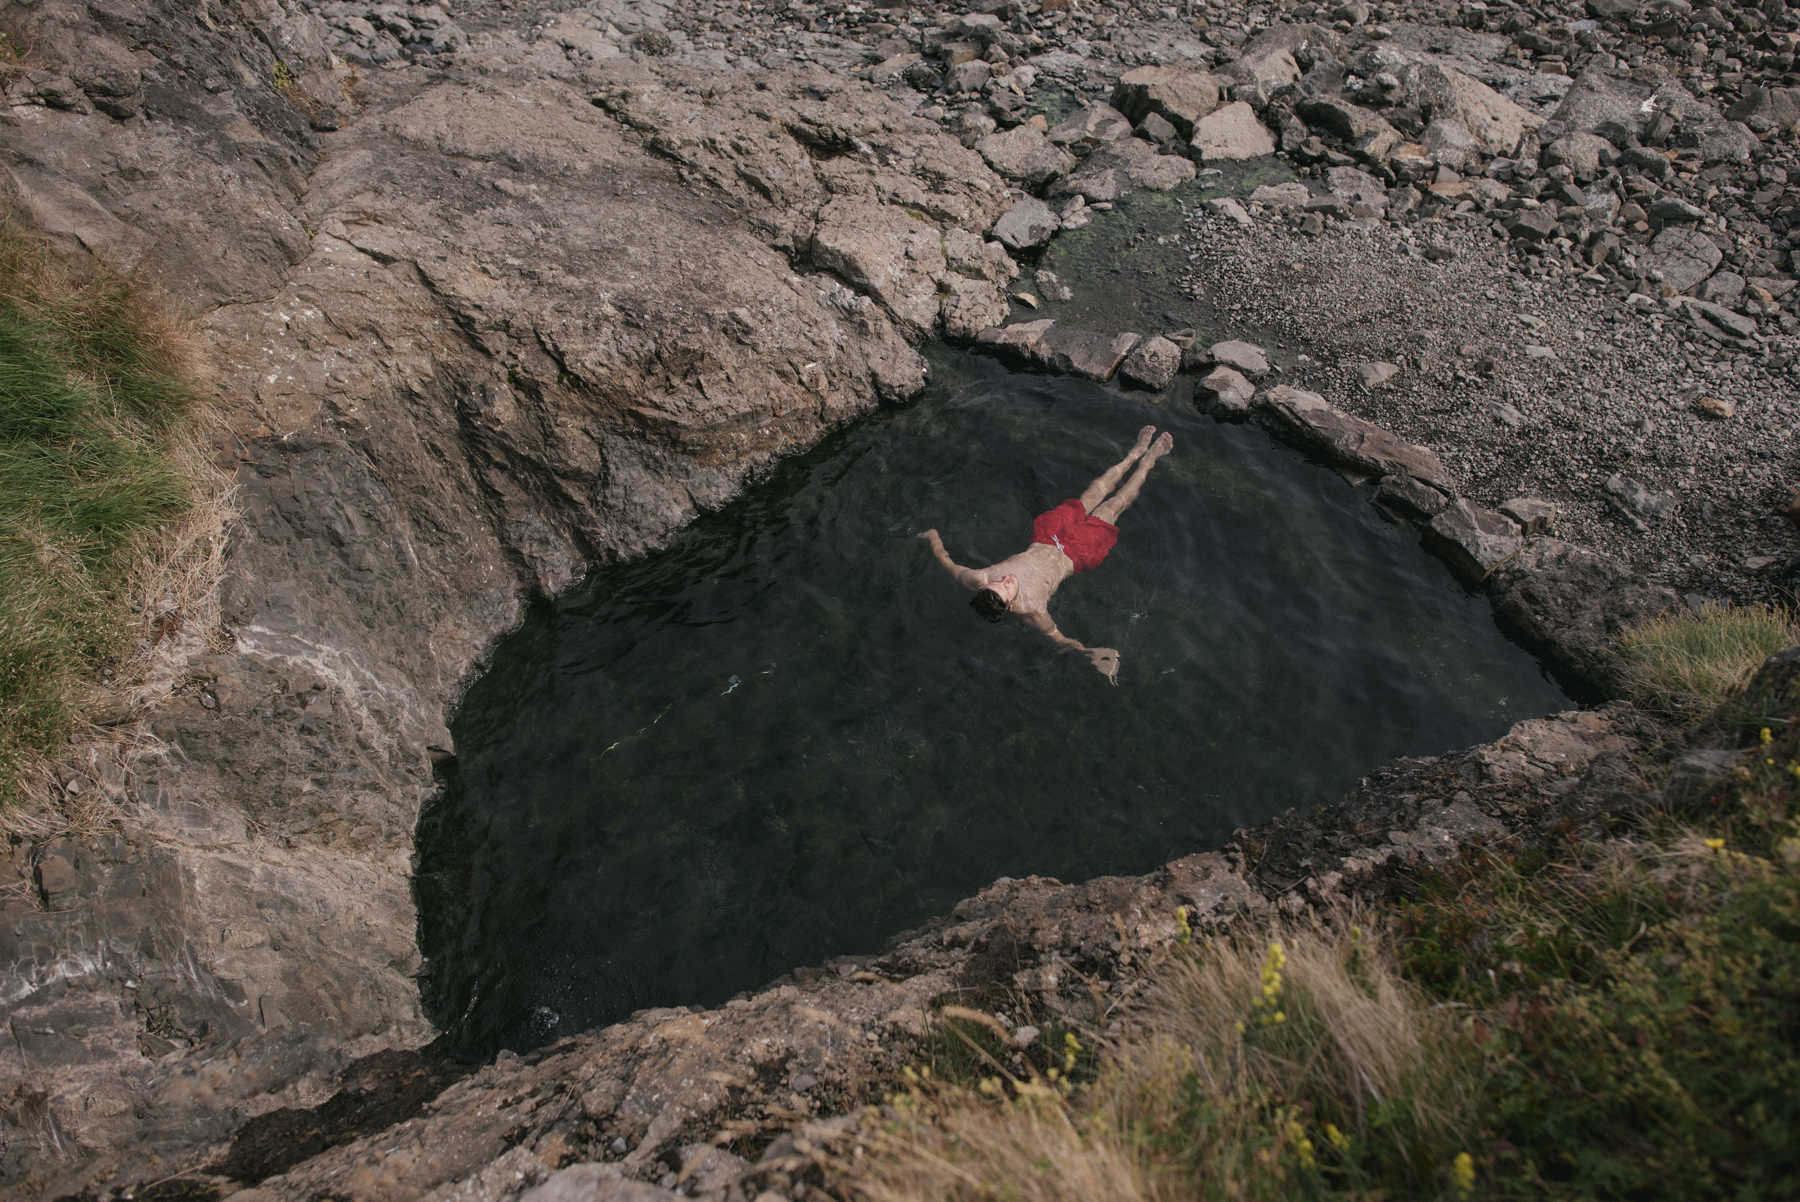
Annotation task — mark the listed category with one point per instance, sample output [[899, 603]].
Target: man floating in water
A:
[[1073, 537]]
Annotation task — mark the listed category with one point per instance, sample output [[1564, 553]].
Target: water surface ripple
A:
[[787, 737]]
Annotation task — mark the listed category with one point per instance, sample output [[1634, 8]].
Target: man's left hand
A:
[[1105, 661]]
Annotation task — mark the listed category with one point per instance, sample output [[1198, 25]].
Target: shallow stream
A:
[[787, 737]]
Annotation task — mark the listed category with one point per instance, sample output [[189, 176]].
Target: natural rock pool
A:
[[787, 737]]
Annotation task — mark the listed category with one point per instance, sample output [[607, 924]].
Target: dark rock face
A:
[[451, 379], [1572, 602]]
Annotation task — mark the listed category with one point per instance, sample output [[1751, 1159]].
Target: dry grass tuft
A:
[[112, 523], [951, 1144], [1688, 664], [1283, 1063]]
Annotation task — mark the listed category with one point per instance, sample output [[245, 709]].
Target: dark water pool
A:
[[787, 737]]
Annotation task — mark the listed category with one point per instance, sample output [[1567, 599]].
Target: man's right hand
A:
[[1105, 661]]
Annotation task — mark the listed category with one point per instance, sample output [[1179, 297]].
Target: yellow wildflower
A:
[[1715, 844], [1462, 1173], [1270, 997], [1338, 1139], [1766, 736], [1303, 1148], [1184, 934]]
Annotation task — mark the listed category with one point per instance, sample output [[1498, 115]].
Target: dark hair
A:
[[988, 604]]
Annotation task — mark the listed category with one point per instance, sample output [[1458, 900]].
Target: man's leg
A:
[[1119, 502], [1109, 480]]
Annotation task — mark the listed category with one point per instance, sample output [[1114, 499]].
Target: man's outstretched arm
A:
[[1104, 659], [969, 578]]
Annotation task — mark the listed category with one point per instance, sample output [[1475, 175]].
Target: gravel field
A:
[[1618, 395]]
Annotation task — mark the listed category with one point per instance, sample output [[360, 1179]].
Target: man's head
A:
[[993, 600]]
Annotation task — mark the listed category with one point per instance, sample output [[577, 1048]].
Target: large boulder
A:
[[1230, 134], [1121, 167], [1093, 126], [1578, 151], [1152, 363], [1224, 392], [1616, 109], [1779, 107], [1280, 54], [1473, 540], [1684, 255], [1178, 96], [1362, 128], [1444, 93], [1024, 155]]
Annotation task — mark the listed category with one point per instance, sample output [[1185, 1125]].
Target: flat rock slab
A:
[[1571, 600], [1637, 504], [1028, 224], [1122, 166], [1093, 126], [1720, 323], [1083, 352], [1473, 540], [1025, 155], [1152, 363], [1684, 255], [1291, 193], [1351, 441], [1018, 341], [1242, 356]]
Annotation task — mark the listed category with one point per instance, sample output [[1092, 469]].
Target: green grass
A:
[[91, 399], [1686, 664]]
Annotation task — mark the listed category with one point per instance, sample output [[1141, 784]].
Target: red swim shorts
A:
[[1075, 532]]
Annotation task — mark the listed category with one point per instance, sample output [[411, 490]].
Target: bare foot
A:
[[1161, 446], [1143, 441]]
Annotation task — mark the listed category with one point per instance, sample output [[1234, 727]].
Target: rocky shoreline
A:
[[498, 293]]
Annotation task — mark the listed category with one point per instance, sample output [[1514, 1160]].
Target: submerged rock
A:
[[1083, 352]]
